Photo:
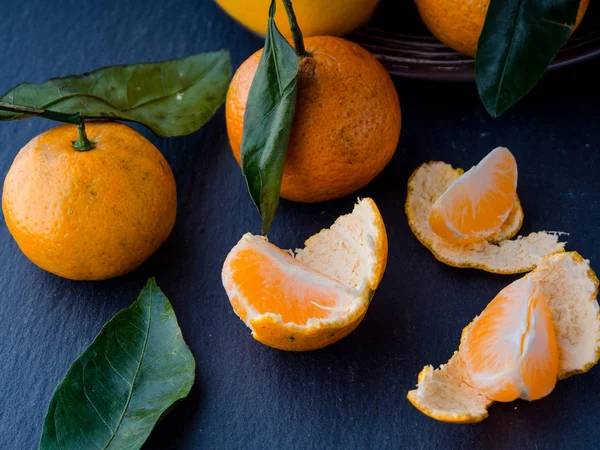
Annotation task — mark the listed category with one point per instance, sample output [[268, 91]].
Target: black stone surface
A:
[[352, 394]]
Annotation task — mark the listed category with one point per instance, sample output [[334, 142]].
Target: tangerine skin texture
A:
[[458, 23], [89, 215], [346, 124]]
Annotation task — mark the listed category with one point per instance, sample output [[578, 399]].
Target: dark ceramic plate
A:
[[398, 38]]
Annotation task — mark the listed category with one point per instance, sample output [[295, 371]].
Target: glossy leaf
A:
[[520, 38], [172, 98], [124, 382], [268, 121]]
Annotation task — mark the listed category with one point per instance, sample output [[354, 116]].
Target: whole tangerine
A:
[[346, 124], [89, 215], [458, 23]]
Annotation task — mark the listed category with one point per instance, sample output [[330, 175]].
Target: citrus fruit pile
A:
[[458, 23], [312, 297], [542, 328], [467, 219]]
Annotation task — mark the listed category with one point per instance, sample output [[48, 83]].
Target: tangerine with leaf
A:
[[91, 200], [458, 23], [312, 125]]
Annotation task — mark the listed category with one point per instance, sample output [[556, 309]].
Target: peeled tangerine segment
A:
[[510, 350], [279, 283], [477, 203], [570, 288], [497, 253], [313, 297]]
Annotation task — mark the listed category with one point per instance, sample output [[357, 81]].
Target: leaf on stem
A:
[[268, 121], [124, 382], [520, 38], [172, 98]]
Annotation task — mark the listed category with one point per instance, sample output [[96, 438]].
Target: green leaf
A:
[[172, 98], [520, 38], [268, 121], [124, 382]]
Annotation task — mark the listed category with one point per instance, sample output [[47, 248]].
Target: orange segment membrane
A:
[[510, 351], [272, 281], [476, 205], [539, 363]]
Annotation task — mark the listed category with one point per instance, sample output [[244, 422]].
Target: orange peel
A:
[[313, 297], [446, 394], [570, 287], [497, 254]]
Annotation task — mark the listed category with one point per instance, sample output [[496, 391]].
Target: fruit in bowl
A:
[[315, 17], [458, 23]]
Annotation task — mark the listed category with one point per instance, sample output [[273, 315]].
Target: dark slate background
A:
[[246, 395]]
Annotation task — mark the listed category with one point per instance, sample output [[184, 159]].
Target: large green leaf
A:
[[520, 38], [124, 382], [172, 98], [268, 121]]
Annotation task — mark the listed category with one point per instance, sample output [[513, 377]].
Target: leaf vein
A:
[[116, 371], [90, 400], [151, 294], [124, 349], [509, 55], [564, 25], [183, 89]]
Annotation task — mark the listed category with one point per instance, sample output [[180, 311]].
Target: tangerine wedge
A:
[[310, 298], [476, 204], [498, 253], [452, 393], [510, 350]]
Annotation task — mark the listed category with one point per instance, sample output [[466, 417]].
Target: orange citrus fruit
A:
[[458, 23], [89, 215], [315, 17], [499, 253], [346, 124], [510, 350], [315, 296], [476, 205]]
